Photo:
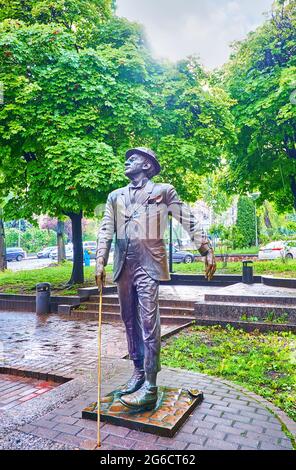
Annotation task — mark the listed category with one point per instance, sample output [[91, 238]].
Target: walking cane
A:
[[99, 364]]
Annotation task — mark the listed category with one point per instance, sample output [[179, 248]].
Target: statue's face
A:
[[135, 164]]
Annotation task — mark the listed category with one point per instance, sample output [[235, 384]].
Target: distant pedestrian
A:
[[86, 257]]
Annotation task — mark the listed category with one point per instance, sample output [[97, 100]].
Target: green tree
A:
[[213, 192], [244, 233], [261, 77], [80, 88], [73, 103], [81, 13], [197, 127], [12, 235], [34, 239]]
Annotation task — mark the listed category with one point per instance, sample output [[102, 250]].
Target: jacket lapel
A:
[[124, 201], [143, 196]]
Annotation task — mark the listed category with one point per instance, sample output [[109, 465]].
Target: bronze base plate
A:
[[173, 407]]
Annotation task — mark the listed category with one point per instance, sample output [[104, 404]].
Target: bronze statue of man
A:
[[137, 215]]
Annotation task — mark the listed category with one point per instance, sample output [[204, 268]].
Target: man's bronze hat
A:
[[148, 154]]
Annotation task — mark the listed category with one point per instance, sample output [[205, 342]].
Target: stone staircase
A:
[[172, 312], [249, 312], [262, 311]]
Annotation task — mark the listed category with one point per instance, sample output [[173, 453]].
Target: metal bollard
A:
[[247, 272], [43, 298]]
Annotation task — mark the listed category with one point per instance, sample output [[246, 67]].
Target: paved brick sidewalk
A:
[[228, 418]]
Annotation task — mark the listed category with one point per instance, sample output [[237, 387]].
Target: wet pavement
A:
[[195, 293], [229, 417], [30, 336], [33, 337], [257, 289]]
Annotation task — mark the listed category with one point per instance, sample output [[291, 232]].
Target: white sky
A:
[[178, 28]]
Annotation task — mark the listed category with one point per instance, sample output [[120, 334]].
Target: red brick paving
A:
[[15, 390]]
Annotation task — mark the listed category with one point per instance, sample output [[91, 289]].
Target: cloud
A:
[[178, 28]]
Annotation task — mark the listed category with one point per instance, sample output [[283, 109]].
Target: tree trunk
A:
[[61, 241], [77, 276], [267, 220], [3, 262]]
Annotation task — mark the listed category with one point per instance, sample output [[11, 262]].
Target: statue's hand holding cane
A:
[[100, 273], [210, 265], [210, 262]]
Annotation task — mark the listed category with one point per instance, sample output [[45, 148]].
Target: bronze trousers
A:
[[138, 299]]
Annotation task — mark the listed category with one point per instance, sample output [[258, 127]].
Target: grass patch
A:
[[24, 282], [272, 317], [277, 267], [261, 362]]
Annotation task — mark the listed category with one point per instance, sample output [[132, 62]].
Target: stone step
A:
[[113, 299], [115, 308], [228, 311], [254, 299], [250, 304], [115, 317], [246, 325]]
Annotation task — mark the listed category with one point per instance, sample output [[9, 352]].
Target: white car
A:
[[69, 253], [278, 249], [45, 253], [291, 249]]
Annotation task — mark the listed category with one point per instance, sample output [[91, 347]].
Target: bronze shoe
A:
[[133, 384], [143, 399]]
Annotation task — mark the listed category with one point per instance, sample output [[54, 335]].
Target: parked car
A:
[[91, 247], [45, 253], [180, 256], [278, 249], [15, 254], [68, 249], [291, 249]]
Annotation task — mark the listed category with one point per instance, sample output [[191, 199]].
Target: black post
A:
[[247, 276], [171, 243]]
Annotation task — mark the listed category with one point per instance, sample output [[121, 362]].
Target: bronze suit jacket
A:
[[142, 224]]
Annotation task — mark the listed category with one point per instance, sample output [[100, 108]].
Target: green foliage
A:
[[197, 128], [74, 104], [80, 87], [11, 237], [273, 317], [277, 267], [32, 240], [250, 318], [213, 193], [67, 117], [245, 230], [263, 363], [82, 14], [261, 77]]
